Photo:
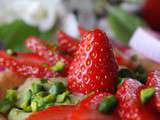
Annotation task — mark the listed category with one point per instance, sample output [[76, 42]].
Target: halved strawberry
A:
[[49, 52], [94, 66], [153, 80], [130, 107], [92, 102], [67, 43], [31, 69], [26, 64], [70, 112], [5, 59], [81, 113], [42, 48], [33, 57], [61, 112]]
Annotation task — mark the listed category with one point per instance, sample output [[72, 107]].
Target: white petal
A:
[[70, 25]]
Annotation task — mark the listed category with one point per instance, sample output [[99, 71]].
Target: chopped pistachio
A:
[[108, 104], [17, 114], [34, 106], [27, 109], [26, 100], [49, 99], [57, 88], [61, 98], [59, 66], [36, 88], [5, 106], [146, 94], [41, 94], [48, 105], [9, 52], [11, 95]]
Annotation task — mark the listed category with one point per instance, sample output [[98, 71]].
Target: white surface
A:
[[146, 43]]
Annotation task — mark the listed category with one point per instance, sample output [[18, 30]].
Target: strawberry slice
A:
[[153, 80], [5, 59], [49, 52], [67, 43], [42, 48], [69, 112], [33, 57], [92, 102], [81, 113], [82, 31], [94, 66], [26, 64], [130, 107], [61, 112], [31, 69]]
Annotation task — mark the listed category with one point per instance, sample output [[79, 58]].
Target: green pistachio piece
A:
[[57, 88], [108, 104], [61, 98], [146, 94], [59, 66]]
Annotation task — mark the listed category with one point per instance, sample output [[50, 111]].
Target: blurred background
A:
[[118, 18]]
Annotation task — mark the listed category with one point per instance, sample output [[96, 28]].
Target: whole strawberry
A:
[[153, 80], [130, 104], [94, 66]]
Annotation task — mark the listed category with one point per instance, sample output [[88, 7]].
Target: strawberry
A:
[[42, 48], [59, 112], [5, 59], [31, 69], [153, 80], [130, 107], [67, 43], [26, 64], [92, 102], [81, 113], [94, 66], [49, 52]]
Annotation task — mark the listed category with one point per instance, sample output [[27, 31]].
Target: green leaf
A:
[[123, 24], [119, 30], [13, 35]]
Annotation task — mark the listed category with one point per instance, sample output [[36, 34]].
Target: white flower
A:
[[41, 13]]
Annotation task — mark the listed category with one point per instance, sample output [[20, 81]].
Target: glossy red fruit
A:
[[31, 69], [6, 60], [61, 112], [33, 57], [130, 107], [92, 102], [153, 80], [81, 113], [49, 52], [94, 66], [82, 31], [42, 48], [67, 43], [26, 64]]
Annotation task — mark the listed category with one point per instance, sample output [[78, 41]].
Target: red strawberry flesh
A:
[[67, 43], [130, 107], [153, 80]]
